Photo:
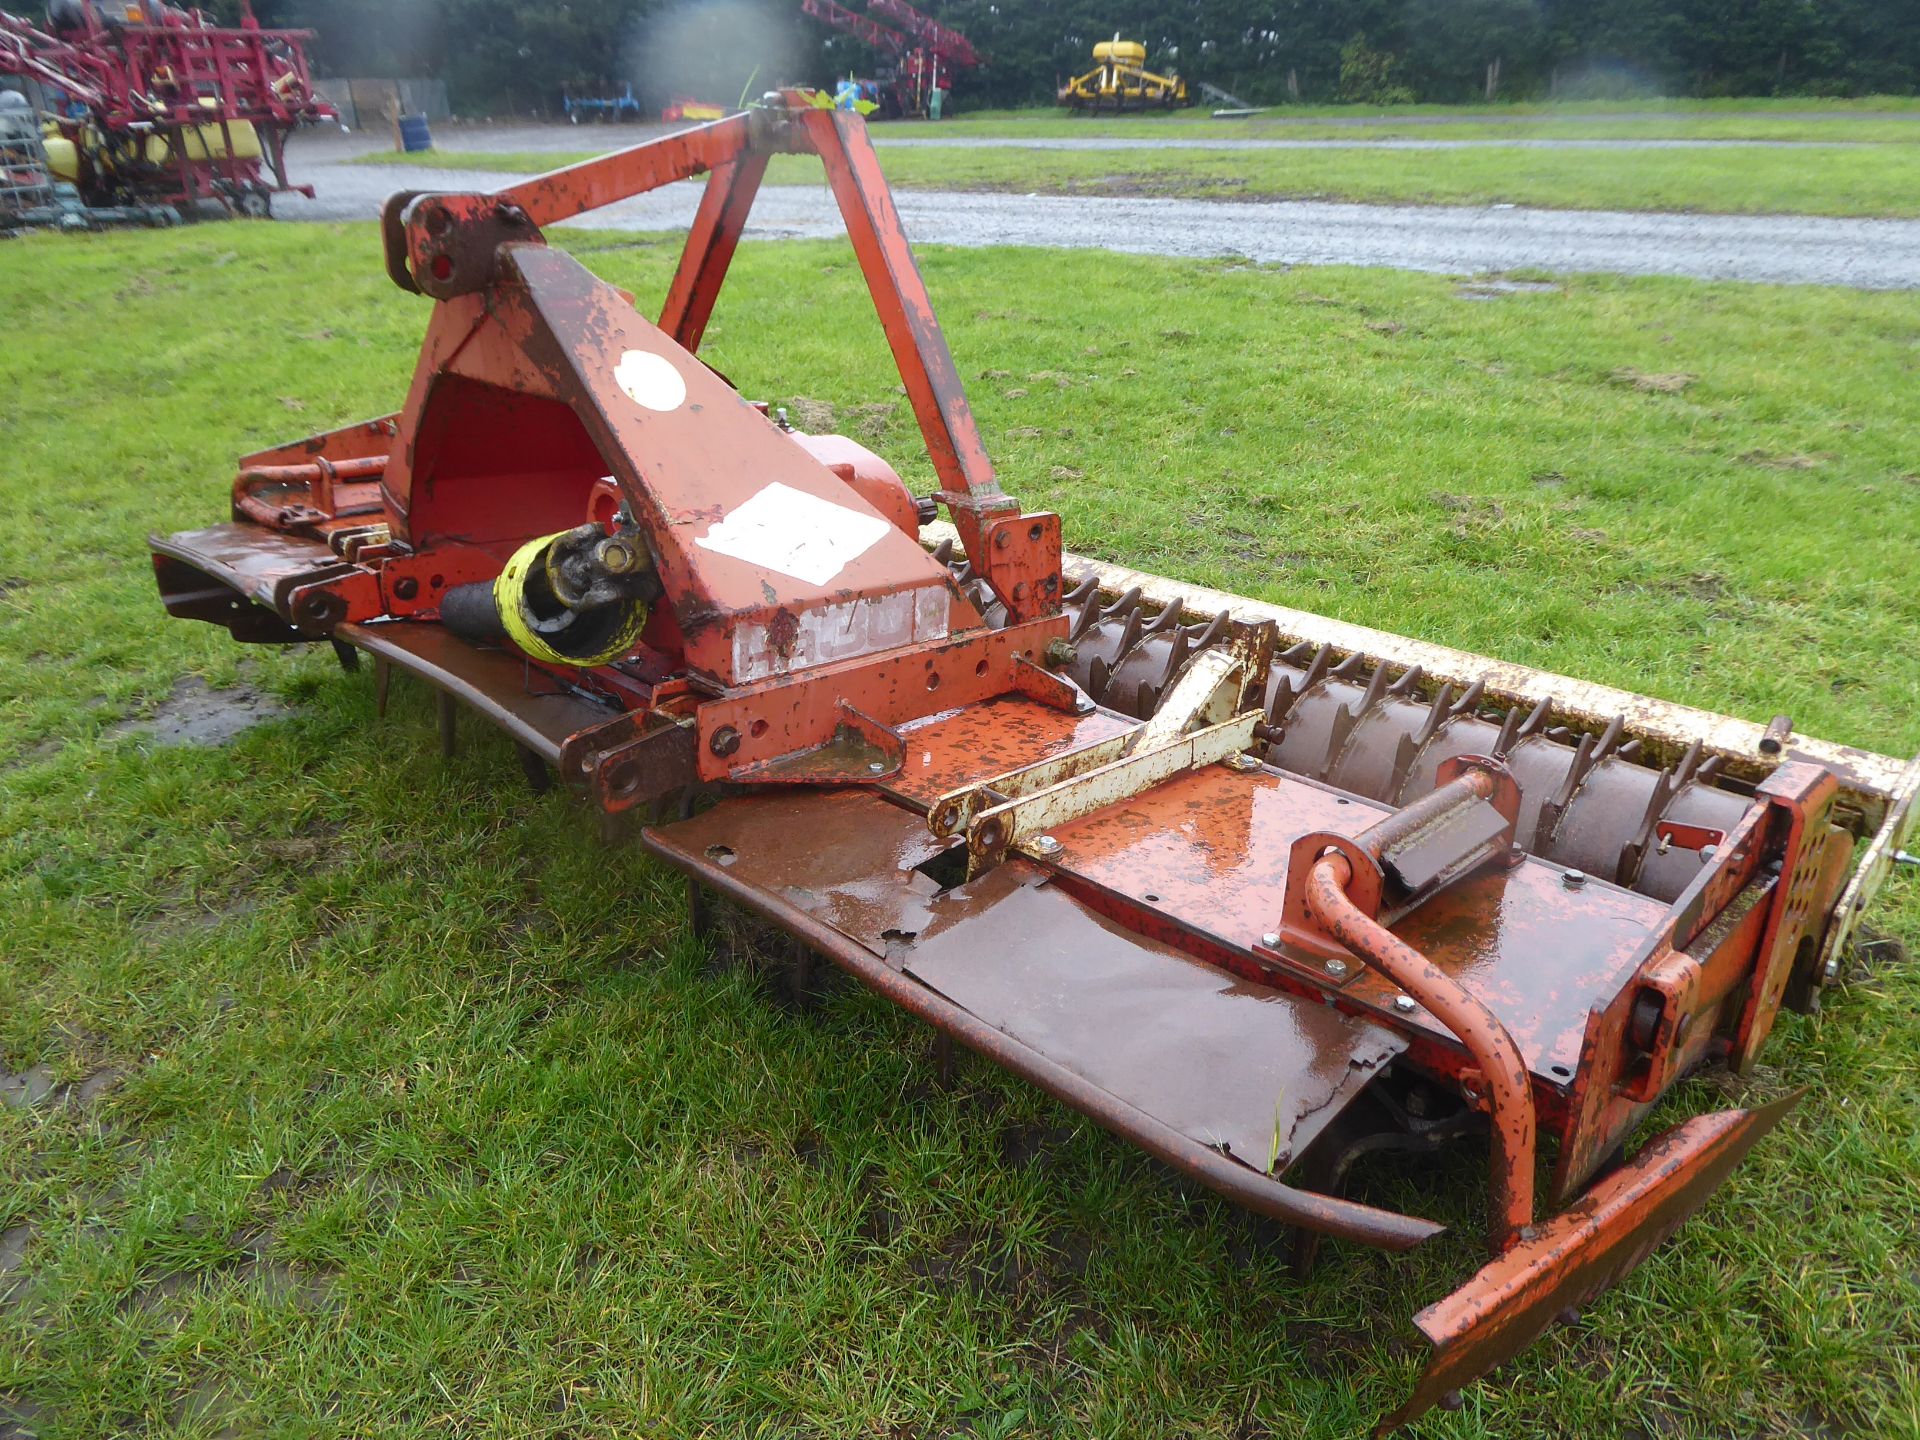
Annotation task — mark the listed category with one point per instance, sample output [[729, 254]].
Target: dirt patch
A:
[[872, 420], [194, 714], [28, 1088], [1496, 289], [20, 1418], [1783, 462], [35, 753], [253, 1266], [200, 915], [816, 417], [1026, 1144], [1471, 513], [210, 1406], [1872, 950], [15, 1241], [1670, 383], [38, 1084]]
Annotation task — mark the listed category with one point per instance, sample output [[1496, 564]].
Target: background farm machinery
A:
[[1120, 81], [923, 56], [1260, 892], [150, 104]]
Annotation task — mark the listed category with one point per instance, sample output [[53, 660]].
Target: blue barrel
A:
[[414, 135]]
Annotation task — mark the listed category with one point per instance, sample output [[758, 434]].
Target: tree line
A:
[[520, 56]]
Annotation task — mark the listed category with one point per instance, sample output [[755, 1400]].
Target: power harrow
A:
[[1259, 891]]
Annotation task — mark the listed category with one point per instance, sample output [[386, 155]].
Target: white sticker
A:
[[650, 380], [841, 632], [795, 533]]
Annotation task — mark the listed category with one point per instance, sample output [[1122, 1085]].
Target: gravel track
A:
[[1866, 254]]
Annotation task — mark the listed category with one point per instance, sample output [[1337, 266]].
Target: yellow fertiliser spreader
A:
[[1121, 81]]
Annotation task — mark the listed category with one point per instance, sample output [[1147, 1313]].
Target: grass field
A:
[[399, 1107], [1859, 179]]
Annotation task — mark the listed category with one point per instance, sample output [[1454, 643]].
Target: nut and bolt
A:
[[1405, 1004], [618, 556], [877, 767], [1574, 879], [1336, 968], [1242, 761], [1271, 939], [1045, 845], [725, 741], [1060, 653]]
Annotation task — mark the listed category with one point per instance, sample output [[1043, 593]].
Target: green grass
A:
[[432, 1121], [1879, 118], [1864, 180]]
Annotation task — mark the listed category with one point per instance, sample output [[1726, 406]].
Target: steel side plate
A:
[[1580, 1252]]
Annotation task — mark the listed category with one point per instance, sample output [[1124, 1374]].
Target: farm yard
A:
[[354, 1090]]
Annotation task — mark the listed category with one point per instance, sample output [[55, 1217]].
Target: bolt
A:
[[1336, 968], [1707, 852], [1001, 540], [1242, 762], [1830, 972], [406, 587], [1060, 653], [1046, 845], [618, 556], [1270, 939], [1574, 879], [1905, 857], [725, 741], [877, 767], [1404, 1004]]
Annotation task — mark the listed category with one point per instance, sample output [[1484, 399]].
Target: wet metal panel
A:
[[846, 857], [960, 747], [1209, 851], [1228, 1063]]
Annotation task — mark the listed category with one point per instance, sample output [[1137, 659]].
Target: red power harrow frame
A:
[[1249, 894]]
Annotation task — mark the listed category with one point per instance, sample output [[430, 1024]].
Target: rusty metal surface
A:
[[1868, 780], [749, 602], [526, 703], [784, 714], [1227, 1063], [705, 848], [260, 564], [1023, 820], [1208, 851], [1873, 869], [959, 747], [1502, 1082], [854, 872], [1579, 1253]]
